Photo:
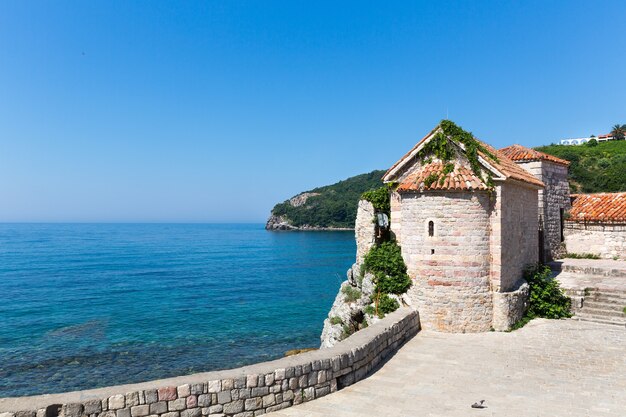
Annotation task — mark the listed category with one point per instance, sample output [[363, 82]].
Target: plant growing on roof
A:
[[442, 146]]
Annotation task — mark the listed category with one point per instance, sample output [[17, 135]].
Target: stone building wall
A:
[[450, 270], [552, 199], [556, 200], [242, 392], [519, 234], [606, 240]]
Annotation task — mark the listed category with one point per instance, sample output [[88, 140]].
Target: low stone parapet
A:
[[509, 307], [241, 392]]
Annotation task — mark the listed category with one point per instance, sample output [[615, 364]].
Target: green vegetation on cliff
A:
[[334, 205], [595, 166]]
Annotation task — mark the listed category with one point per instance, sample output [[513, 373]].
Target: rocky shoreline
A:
[[280, 223]]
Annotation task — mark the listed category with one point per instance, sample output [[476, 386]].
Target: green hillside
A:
[[593, 169], [335, 206]]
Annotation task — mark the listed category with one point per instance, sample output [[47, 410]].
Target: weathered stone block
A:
[[288, 395], [293, 383], [151, 395], [234, 407], [252, 381], [184, 391], [320, 392], [253, 404], [269, 400], [194, 412], [279, 374], [309, 394], [177, 405], [140, 410], [167, 393], [197, 389], [240, 382], [124, 412], [116, 402], [204, 400], [227, 384], [92, 406], [158, 407], [215, 386], [275, 388], [132, 398], [224, 397], [192, 401]]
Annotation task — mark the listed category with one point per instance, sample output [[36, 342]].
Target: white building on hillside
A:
[[580, 141]]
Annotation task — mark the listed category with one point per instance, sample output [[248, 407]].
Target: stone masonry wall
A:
[[606, 240], [450, 270], [552, 199], [242, 392], [519, 234], [555, 197]]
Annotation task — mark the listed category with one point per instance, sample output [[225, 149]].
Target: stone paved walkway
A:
[[548, 368]]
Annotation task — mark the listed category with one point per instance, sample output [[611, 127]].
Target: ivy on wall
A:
[[442, 146], [379, 198], [385, 262]]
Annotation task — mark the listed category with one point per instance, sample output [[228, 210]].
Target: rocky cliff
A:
[[353, 308], [332, 207]]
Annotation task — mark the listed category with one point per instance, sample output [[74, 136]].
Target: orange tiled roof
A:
[[461, 178], [504, 165], [521, 153], [509, 168], [601, 207]]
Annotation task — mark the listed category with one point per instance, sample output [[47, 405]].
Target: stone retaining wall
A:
[[243, 392], [606, 240]]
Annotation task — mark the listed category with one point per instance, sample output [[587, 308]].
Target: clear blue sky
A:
[[214, 111]]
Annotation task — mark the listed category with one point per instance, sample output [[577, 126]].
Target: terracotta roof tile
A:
[[461, 178], [509, 168], [504, 165], [521, 153], [601, 207]]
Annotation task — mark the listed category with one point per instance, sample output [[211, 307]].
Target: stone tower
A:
[[554, 199]]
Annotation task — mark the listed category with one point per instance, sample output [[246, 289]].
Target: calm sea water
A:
[[91, 305]]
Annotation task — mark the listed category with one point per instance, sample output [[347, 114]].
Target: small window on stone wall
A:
[[431, 228]]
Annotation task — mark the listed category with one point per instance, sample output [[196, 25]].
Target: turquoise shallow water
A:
[[91, 305]]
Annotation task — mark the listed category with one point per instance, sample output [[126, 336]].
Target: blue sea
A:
[[90, 305]]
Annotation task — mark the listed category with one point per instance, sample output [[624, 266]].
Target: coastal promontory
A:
[[331, 207]]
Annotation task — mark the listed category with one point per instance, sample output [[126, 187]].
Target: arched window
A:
[[431, 228]]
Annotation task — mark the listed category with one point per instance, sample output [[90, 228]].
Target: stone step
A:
[[600, 312], [592, 267], [602, 320], [611, 291], [601, 304], [606, 298]]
